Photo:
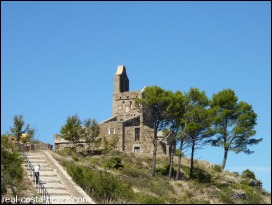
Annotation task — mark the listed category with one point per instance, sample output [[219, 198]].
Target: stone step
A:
[[46, 174], [50, 179], [42, 168], [34, 156], [37, 161], [46, 169], [53, 186], [58, 192], [42, 165], [34, 162], [54, 190]]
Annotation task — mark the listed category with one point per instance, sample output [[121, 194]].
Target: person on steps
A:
[[32, 147], [37, 172]]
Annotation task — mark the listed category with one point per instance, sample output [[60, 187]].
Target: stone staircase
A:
[[59, 193]]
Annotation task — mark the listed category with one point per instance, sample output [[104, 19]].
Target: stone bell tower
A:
[[121, 82], [121, 88]]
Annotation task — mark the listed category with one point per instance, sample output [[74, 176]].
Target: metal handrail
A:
[[41, 188]]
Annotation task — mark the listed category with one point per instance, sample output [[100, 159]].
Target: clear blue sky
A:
[[59, 59]]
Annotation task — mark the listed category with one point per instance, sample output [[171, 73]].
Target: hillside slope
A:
[[126, 178]]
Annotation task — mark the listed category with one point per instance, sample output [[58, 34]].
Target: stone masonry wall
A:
[[144, 143], [111, 130], [124, 105]]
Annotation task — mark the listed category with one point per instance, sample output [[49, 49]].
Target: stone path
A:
[[53, 182]]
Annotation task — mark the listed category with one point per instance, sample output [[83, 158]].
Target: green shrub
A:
[[165, 170], [244, 186], [68, 151], [183, 199], [75, 157], [11, 167], [143, 198], [199, 201], [226, 195], [160, 185], [245, 182], [186, 171], [90, 152], [201, 176], [103, 186], [136, 173], [217, 168], [248, 174], [113, 162], [253, 198]]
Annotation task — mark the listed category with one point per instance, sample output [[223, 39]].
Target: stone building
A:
[[127, 124]]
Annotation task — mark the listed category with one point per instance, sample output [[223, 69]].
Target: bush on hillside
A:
[[113, 162], [143, 198], [217, 168], [89, 152], [103, 186], [201, 176], [248, 174], [253, 198], [11, 167], [226, 195], [165, 170]]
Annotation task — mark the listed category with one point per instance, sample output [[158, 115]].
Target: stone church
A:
[[127, 123]]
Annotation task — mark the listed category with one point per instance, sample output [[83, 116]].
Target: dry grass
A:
[[137, 172]]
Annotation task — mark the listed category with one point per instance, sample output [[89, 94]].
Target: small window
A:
[[137, 134], [111, 131], [130, 104], [137, 149]]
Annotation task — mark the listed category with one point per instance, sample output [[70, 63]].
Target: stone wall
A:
[[60, 143], [111, 130], [124, 105], [144, 144]]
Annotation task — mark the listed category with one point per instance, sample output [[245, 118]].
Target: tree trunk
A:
[[178, 176], [225, 158], [155, 140], [192, 160], [170, 151], [171, 157]]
